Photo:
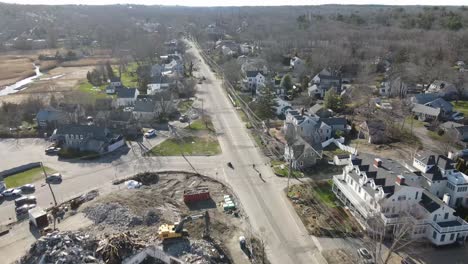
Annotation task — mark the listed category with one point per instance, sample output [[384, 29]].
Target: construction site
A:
[[171, 217]]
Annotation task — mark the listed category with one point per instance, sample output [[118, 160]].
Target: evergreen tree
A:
[[286, 83], [266, 103], [109, 70], [333, 101]]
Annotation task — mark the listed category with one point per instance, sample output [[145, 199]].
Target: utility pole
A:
[[50, 187], [289, 170]]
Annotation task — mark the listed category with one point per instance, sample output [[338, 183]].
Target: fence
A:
[[19, 169]]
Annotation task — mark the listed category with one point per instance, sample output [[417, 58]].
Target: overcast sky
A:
[[241, 2]]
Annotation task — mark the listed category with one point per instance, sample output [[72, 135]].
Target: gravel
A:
[[112, 214]]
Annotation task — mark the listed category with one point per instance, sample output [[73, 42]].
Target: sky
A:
[[240, 2]]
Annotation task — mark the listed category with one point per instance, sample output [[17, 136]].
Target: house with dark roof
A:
[[372, 186], [443, 89], [150, 107], [87, 138], [321, 111], [301, 154], [374, 131], [324, 81], [125, 96], [115, 81]]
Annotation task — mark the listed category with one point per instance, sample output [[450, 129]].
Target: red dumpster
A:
[[200, 193]]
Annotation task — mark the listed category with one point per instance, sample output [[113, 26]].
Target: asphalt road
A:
[[272, 217]]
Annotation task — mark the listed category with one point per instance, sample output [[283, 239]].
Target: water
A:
[[18, 86]]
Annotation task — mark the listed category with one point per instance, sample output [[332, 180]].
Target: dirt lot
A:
[[138, 213], [321, 213]]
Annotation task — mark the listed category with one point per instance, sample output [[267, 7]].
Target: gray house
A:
[[51, 118], [374, 131], [87, 138], [301, 154], [455, 129]]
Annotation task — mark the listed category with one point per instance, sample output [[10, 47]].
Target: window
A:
[[462, 189], [402, 198], [452, 236], [442, 238], [434, 235], [446, 215], [435, 218], [416, 195]]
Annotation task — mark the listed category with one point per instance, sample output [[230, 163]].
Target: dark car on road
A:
[[54, 178], [25, 200]]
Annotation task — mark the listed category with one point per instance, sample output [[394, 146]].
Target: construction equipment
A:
[[167, 231]]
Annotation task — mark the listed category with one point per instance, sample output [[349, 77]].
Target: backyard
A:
[[26, 177], [461, 106]]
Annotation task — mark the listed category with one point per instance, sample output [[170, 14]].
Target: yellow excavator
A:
[[168, 231]]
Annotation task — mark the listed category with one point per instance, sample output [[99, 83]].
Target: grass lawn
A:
[[129, 76], [416, 122], [25, 177], [323, 191], [191, 146], [98, 93], [281, 169], [434, 135], [199, 124], [461, 106], [184, 106]]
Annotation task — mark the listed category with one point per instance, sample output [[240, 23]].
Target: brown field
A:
[[45, 87], [14, 68], [88, 62]]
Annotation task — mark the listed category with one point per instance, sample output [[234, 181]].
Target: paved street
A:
[[272, 217]]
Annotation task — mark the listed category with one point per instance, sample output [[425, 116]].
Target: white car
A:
[[11, 192], [365, 255], [150, 133]]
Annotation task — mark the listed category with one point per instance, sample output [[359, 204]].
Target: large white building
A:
[[385, 189]]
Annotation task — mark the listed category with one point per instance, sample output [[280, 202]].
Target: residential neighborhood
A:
[[332, 133]]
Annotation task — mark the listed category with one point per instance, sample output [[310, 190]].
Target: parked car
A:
[[150, 133], [11, 192], [24, 208], [365, 255], [52, 150], [183, 118], [28, 188], [1, 198], [25, 200], [54, 178]]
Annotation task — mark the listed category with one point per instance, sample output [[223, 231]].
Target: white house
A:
[[125, 96], [254, 79], [395, 193], [115, 81], [158, 84]]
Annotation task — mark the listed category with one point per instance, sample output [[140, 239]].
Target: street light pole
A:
[[50, 187]]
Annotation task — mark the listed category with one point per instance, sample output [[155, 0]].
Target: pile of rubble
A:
[[117, 247], [196, 251], [112, 214], [61, 248]]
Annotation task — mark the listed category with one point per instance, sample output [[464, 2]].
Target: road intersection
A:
[[271, 215]]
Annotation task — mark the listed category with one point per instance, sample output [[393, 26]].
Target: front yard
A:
[[281, 169], [461, 106], [26, 177], [190, 146]]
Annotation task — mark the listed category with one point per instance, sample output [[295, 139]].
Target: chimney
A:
[[377, 162], [400, 180]]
